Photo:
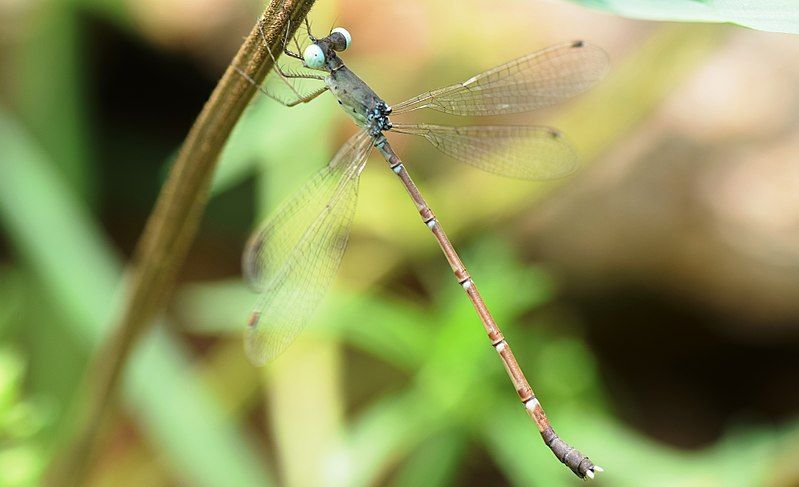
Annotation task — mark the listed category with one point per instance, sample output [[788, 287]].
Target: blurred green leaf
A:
[[273, 136], [12, 287], [394, 331], [416, 431], [770, 15], [52, 232], [49, 91], [215, 308], [509, 286], [453, 373], [383, 435], [515, 446], [11, 369], [436, 462], [388, 329], [460, 391], [58, 239], [120, 13], [305, 409], [19, 466], [21, 455], [203, 443]]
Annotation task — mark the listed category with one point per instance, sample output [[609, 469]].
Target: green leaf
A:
[[769, 15]]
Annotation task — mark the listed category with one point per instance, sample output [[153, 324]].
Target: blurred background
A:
[[652, 298]]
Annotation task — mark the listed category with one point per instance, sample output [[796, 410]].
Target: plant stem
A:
[[171, 227]]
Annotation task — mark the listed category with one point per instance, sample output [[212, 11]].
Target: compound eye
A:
[[313, 56], [345, 33]]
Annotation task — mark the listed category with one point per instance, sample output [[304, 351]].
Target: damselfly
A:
[[293, 257]]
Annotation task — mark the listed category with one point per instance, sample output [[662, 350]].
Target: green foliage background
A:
[[394, 383]]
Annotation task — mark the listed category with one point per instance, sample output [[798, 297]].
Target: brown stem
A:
[[171, 227]]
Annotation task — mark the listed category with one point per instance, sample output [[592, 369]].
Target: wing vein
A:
[[534, 81], [293, 258], [517, 151]]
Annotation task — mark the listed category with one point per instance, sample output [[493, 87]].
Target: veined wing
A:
[[524, 152], [293, 258], [530, 82]]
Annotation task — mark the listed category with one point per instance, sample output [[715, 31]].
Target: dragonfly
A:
[[293, 257]]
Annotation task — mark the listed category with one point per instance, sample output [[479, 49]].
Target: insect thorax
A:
[[377, 118]]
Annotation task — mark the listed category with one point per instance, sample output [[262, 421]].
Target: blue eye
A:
[[345, 33], [313, 56]]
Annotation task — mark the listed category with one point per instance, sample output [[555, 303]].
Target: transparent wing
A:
[[533, 81], [292, 259], [522, 152]]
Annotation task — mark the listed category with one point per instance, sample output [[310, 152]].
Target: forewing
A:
[[523, 152], [530, 82], [292, 259]]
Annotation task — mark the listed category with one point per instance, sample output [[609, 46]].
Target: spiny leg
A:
[[308, 28], [283, 75], [295, 55], [297, 42], [300, 98], [286, 50], [305, 98]]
